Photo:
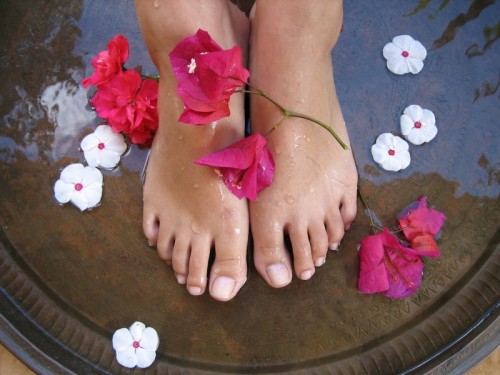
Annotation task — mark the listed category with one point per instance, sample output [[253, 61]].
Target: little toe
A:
[[150, 226], [348, 212], [302, 253]]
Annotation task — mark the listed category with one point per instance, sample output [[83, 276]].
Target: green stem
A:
[[255, 91], [365, 203], [146, 76]]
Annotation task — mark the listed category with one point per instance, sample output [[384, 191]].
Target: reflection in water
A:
[[491, 34], [65, 104], [486, 89]]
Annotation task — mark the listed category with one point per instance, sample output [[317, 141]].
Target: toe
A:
[[335, 229], [302, 255], [150, 226], [271, 258], [198, 264], [180, 258], [319, 242], [348, 211], [165, 245], [229, 271]]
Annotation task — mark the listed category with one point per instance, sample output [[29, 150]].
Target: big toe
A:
[[229, 271], [271, 257]]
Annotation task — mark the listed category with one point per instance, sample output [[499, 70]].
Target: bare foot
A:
[[187, 209], [313, 195]]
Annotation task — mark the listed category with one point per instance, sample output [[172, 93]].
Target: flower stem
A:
[[365, 203], [255, 91], [146, 76]]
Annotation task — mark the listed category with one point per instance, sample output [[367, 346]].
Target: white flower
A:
[[103, 148], [80, 185], [391, 152], [404, 55], [136, 346], [418, 125]]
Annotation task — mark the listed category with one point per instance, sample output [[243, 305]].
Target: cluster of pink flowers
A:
[[207, 76], [394, 267], [124, 98]]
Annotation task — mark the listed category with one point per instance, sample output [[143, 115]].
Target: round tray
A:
[[70, 279]]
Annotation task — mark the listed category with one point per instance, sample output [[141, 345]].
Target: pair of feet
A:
[[187, 208]]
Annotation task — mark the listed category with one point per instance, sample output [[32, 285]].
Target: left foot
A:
[[313, 196]]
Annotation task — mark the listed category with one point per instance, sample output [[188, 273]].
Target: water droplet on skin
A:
[[289, 199], [237, 230], [195, 228], [181, 137], [156, 4], [196, 186]]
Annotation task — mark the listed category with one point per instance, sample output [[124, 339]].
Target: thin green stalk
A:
[[287, 113]]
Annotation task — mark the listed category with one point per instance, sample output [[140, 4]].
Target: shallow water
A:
[[71, 279]]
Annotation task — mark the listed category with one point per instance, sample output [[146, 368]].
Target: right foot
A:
[[187, 208]]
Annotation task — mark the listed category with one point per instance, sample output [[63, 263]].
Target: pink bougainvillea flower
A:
[[108, 63], [129, 103], [404, 55], [208, 75], [417, 219], [246, 166], [198, 111], [386, 266]]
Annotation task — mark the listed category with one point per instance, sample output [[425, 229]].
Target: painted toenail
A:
[[194, 290], [319, 262], [278, 273], [223, 287], [334, 246], [306, 275], [181, 279]]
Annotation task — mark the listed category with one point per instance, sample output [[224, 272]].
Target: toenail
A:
[[181, 279], [194, 290], [319, 262], [306, 275], [223, 287], [278, 273], [334, 246]]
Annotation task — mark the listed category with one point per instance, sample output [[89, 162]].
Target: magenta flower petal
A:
[[386, 266], [417, 218], [207, 75], [108, 63], [246, 166], [372, 271]]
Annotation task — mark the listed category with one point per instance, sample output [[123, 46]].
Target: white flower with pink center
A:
[[136, 346], [391, 152], [418, 125], [404, 55], [79, 185], [103, 148]]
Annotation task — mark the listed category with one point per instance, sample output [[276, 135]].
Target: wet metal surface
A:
[[70, 279]]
